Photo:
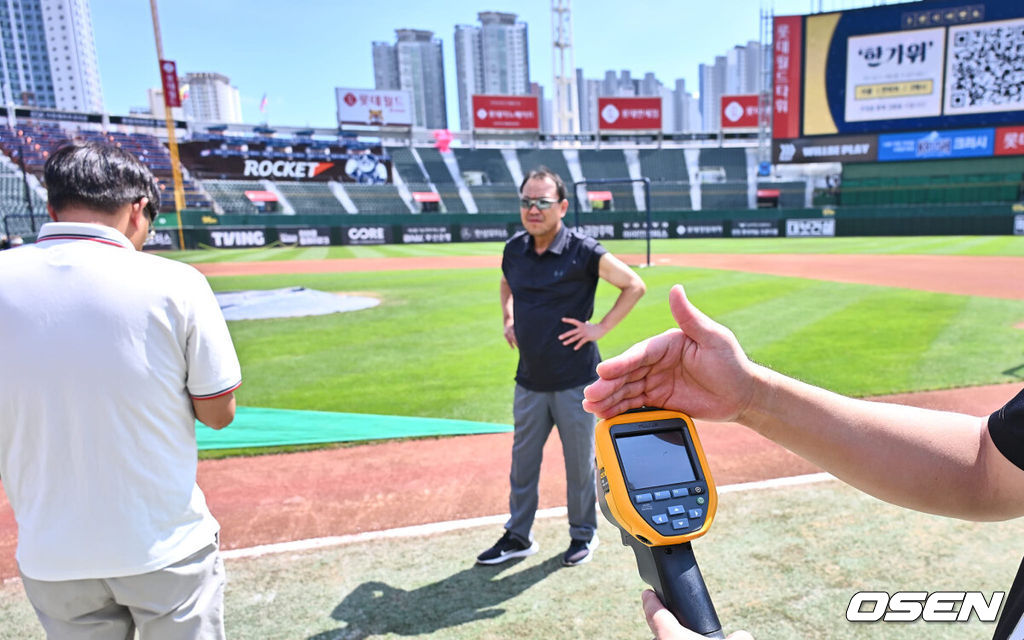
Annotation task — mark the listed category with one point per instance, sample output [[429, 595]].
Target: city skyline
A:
[[297, 62]]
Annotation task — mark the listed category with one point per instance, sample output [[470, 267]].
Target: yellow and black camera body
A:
[[656, 487], [655, 481]]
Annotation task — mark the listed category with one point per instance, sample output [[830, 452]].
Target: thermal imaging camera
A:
[[657, 489]]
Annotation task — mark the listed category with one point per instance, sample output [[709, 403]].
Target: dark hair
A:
[[98, 176], [544, 172]]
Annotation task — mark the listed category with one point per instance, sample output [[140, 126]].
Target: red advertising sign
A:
[[740, 111], [1009, 141], [506, 112], [629, 114], [169, 79], [787, 59]]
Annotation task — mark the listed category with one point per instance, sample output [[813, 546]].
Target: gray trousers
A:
[[184, 601], [536, 412]]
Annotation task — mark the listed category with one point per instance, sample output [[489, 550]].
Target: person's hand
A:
[[583, 333], [510, 335], [666, 627], [698, 369]]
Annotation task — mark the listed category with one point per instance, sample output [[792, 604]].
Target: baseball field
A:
[[377, 539]]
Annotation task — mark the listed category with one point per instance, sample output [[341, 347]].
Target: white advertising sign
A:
[[374, 107], [894, 75]]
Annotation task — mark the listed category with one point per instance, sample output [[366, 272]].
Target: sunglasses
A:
[[542, 204], [151, 214]]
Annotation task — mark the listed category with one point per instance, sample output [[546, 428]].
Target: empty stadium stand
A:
[[732, 159], [670, 178], [985, 180], [488, 162], [36, 140], [230, 195], [376, 198], [436, 168], [664, 165], [482, 180], [405, 164], [724, 195], [496, 198], [553, 159], [311, 197], [791, 195], [609, 164]]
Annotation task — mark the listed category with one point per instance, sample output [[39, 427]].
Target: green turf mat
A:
[[258, 427]]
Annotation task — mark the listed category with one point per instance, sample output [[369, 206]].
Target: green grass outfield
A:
[[782, 563], [434, 347]]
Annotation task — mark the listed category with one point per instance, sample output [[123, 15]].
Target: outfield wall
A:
[[205, 229]]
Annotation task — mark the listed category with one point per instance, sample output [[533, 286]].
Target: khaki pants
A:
[[184, 601]]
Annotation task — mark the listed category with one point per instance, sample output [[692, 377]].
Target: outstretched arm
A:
[[933, 461]]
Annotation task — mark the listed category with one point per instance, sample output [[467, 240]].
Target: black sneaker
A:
[[579, 551], [506, 549]]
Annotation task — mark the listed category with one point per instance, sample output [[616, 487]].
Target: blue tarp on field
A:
[[258, 427]]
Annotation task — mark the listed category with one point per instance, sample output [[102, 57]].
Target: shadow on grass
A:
[[377, 608]]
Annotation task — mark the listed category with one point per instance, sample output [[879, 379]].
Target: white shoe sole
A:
[[594, 543], [529, 551]]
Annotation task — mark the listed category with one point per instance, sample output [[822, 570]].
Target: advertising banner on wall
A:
[[598, 230], [629, 114], [787, 48], [374, 107], [811, 228], [881, 70], [1009, 141], [894, 75], [483, 232], [305, 236], [237, 238], [712, 229], [246, 159], [426, 234], [740, 111], [367, 234], [506, 112], [169, 81], [826, 149], [754, 229], [163, 240], [932, 145]]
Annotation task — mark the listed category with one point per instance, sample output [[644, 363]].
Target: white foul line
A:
[[421, 530]]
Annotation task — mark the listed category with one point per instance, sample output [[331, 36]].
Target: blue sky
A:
[[298, 52]]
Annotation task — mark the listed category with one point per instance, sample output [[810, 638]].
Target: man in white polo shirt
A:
[[111, 355]]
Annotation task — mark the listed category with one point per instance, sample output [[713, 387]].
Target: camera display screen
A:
[[655, 459]]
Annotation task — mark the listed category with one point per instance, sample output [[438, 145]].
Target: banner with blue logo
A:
[[931, 145]]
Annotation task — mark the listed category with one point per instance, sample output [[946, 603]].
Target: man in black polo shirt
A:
[[549, 276], [938, 462]]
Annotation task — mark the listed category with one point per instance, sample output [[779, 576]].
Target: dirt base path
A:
[[333, 492], [992, 276]]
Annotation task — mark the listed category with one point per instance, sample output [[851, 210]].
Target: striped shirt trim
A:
[[217, 394], [72, 236]]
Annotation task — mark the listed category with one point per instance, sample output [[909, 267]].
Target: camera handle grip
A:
[[673, 573]]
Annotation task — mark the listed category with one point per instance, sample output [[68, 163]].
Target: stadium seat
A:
[[311, 197], [489, 162]]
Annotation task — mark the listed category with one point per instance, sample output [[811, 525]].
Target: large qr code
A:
[[985, 69]]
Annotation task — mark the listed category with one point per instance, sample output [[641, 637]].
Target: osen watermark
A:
[[909, 606]]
